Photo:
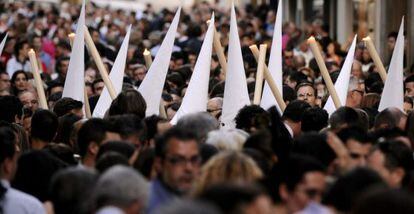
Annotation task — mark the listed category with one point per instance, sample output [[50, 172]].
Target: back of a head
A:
[[129, 101], [252, 117], [65, 128], [44, 125], [229, 166], [110, 159], [314, 119], [314, 144], [121, 186], [200, 123], [66, 105], [10, 107], [228, 139], [39, 166], [343, 117], [7, 143], [128, 125], [388, 118], [294, 110], [385, 201], [93, 130], [121, 147], [344, 192], [231, 198], [295, 168], [71, 189]]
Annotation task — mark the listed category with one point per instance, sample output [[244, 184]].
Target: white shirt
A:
[[17, 202], [13, 65], [290, 130]]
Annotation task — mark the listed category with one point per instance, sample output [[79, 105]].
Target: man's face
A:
[[310, 189], [359, 152], [29, 100], [181, 164], [391, 43], [307, 94], [64, 65], [409, 89], [4, 82], [98, 87], [376, 161]]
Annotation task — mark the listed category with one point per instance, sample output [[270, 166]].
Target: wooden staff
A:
[[375, 57], [259, 75], [324, 71], [38, 80], [147, 58], [98, 61], [88, 113], [269, 79], [218, 48]]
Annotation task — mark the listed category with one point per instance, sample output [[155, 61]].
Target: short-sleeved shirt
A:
[[17, 202]]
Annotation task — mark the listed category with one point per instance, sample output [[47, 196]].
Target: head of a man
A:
[[390, 118], [178, 159], [98, 86], [29, 100], [358, 145], [8, 153], [68, 105], [292, 115], [393, 160], [306, 92], [122, 187], [44, 126], [355, 93], [303, 181], [409, 86], [4, 81]]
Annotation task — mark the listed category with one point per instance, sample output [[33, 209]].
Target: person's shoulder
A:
[[24, 202]]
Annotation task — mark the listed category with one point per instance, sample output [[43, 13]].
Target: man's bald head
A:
[[390, 118]]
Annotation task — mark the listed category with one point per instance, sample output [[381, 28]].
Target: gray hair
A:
[[231, 139], [353, 83], [200, 123], [121, 186]]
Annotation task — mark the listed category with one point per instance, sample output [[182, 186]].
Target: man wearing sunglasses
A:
[[177, 163]]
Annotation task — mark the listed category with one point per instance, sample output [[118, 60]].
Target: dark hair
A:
[[128, 125], [44, 125], [7, 151], [175, 132], [65, 105], [296, 167], [344, 117], [13, 79], [392, 34], [231, 198], [314, 119], [93, 130], [39, 166], [295, 109], [347, 189], [151, 123], [145, 161], [61, 151], [19, 45], [252, 116], [129, 101], [65, 128], [305, 84], [282, 141], [388, 118], [288, 94], [123, 148], [10, 107], [71, 190], [384, 201], [314, 144], [110, 159], [354, 133]]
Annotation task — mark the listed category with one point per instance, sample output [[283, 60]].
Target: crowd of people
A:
[[356, 160]]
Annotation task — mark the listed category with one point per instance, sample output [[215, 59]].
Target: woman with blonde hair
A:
[[228, 167]]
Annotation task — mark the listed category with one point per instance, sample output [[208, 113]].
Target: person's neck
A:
[[21, 59], [88, 161], [38, 144]]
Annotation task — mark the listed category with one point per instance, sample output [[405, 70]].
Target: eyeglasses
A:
[[213, 110], [182, 161]]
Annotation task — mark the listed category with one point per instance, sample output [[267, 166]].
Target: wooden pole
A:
[[324, 71], [269, 79], [38, 80], [259, 75], [88, 113], [218, 48], [147, 58], [375, 57], [102, 70]]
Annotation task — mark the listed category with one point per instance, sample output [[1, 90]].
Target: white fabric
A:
[[235, 89], [275, 64], [3, 42], [342, 83], [196, 97], [393, 93], [13, 65], [116, 76], [151, 87], [75, 82]]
